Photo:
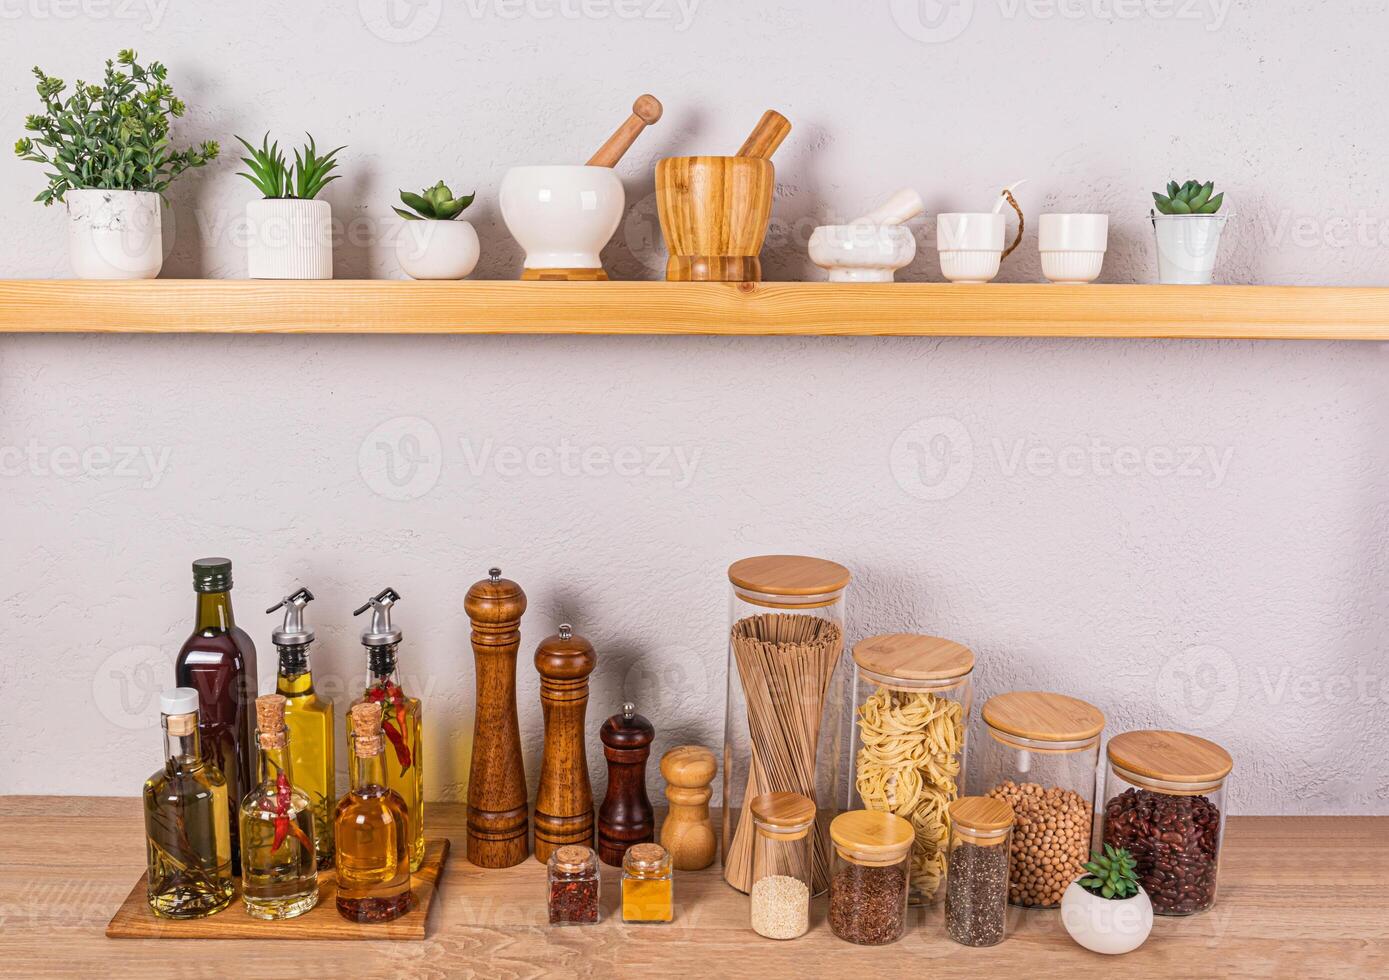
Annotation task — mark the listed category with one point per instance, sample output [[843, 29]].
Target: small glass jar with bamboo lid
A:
[[1165, 803], [868, 889], [911, 707], [648, 884], [976, 890], [1041, 757], [781, 865], [786, 698]]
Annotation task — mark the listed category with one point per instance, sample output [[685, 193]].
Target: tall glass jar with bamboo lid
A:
[[1165, 803], [911, 706], [781, 865], [1041, 757], [786, 696], [868, 887]]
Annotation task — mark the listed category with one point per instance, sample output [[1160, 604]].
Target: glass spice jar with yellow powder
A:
[[648, 884]]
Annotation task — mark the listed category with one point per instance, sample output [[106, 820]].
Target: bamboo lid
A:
[[788, 816], [1043, 717], [981, 813], [870, 837], [1171, 757], [788, 575], [914, 657]]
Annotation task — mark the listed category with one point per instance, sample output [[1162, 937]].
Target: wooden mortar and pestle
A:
[[714, 210]]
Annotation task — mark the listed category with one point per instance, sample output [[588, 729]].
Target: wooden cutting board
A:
[[134, 920]]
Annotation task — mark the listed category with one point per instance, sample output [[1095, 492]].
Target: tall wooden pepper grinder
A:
[[564, 803], [688, 832], [626, 817], [497, 818]]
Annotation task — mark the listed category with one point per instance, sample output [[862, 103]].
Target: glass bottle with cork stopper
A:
[[279, 869], [573, 878], [912, 699], [781, 865], [1165, 803], [786, 696], [1041, 757], [187, 836], [648, 884], [309, 720], [976, 890], [868, 892], [372, 829]]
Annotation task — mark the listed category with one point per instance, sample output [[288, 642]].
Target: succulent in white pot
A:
[[1106, 910], [107, 147], [1187, 224], [289, 233], [433, 244]]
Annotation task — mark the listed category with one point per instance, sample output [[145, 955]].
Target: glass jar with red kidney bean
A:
[[1165, 802]]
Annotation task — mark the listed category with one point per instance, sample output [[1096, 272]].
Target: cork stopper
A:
[[366, 726], [182, 725], [270, 721]]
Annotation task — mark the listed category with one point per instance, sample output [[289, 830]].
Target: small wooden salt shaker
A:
[[626, 817], [688, 832], [564, 803]]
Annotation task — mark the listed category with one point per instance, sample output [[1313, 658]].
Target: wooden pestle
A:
[[771, 129], [626, 817], [564, 802], [645, 112], [688, 832], [497, 817]]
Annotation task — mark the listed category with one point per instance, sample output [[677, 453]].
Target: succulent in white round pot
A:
[[433, 244], [289, 233], [1187, 226], [1106, 910]]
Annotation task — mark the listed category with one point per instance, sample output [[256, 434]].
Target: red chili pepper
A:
[[402, 749], [388, 693], [283, 825]]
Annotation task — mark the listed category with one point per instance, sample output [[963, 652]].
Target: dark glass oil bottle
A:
[[219, 661]]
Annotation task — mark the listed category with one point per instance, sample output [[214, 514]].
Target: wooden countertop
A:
[[1299, 896]]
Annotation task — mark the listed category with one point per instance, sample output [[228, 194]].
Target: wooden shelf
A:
[[770, 309], [1299, 896]]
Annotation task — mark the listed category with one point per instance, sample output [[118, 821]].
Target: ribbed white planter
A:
[[289, 239], [114, 234], [437, 249], [1187, 245]]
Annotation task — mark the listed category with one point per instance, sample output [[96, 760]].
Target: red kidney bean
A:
[[1176, 842]]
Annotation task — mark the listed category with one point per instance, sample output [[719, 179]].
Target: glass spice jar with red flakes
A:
[[572, 878]]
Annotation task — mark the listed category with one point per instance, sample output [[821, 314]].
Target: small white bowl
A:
[[970, 245], [1072, 246], [862, 252]]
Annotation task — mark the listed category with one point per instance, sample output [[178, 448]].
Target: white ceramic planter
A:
[[562, 215], [289, 239], [1187, 245], [437, 249], [1072, 246], [114, 234], [1105, 925], [862, 252], [970, 245]]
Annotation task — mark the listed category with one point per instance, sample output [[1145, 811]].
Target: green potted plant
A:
[[108, 151], [1188, 224], [1106, 910], [290, 232], [433, 243]]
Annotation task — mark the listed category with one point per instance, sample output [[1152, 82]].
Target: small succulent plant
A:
[[435, 203], [1111, 874], [1193, 197], [274, 177]]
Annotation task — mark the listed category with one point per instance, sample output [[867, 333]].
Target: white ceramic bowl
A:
[[862, 252], [437, 249], [970, 245], [562, 215]]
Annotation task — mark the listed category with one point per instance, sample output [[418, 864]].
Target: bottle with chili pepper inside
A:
[[279, 872], [401, 715], [371, 829]]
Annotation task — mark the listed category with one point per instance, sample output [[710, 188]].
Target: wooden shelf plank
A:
[[768, 309]]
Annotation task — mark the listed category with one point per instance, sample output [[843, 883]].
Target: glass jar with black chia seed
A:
[[976, 877]]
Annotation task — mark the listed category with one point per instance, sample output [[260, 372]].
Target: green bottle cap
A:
[[212, 575]]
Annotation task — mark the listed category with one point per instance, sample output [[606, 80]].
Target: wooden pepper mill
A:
[[626, 817], [688, 833], [497, 817], [564, 804]]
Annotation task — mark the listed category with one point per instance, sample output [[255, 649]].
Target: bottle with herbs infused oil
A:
[[372, 829]]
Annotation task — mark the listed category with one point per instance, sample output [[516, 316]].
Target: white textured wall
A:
[[1189, 534]]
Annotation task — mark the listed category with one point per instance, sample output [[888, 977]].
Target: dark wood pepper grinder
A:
[[626, 817], [564, 803], [497, 817]]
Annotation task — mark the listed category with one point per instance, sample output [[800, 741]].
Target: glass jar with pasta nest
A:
[[911, 697], [786, 684], [1041, 757]]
